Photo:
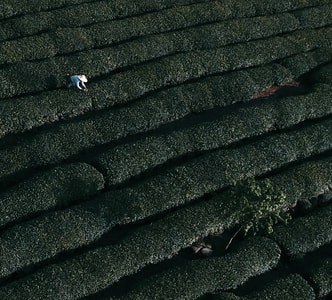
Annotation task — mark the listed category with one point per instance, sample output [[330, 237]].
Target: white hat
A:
[[83, 78]]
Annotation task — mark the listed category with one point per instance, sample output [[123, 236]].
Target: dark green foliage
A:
[[195, 278], [321, 276], [305, 234], [257, 204], [56, 188]]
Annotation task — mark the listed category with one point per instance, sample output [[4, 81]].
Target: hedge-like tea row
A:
[[321, 276], [51, 106], [56, 188], [198, 277], [127, 160], [81, 15], [307, 233], [85, 223], [10, 8], [312, 180], [83, 9], [291, 287], [208, 36], [149, 76]]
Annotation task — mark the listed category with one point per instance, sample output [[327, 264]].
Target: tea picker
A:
[[78, 81]]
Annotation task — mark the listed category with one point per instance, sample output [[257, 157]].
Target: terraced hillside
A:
[[105, 194]]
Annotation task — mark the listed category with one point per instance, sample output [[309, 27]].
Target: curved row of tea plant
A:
[[214, 35], [320, 275], [292, 286], [198, 277], [159, 73], [56, 188], [124, 161], [235, 86], [81, 9], [10, 8], [315, 229]]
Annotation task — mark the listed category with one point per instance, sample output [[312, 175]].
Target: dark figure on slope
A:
[[78, 81]]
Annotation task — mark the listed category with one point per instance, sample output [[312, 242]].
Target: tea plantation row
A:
[[292, 286], [57, 188], [73, 8]]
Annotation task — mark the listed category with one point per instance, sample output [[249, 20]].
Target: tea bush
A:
[[292, 286], [320, 275], [305, 234], [10, 8], [56, 188]]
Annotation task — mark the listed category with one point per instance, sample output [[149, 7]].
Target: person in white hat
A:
[[78, 81]]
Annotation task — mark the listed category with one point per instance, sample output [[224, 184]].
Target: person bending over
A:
[[78, 81]]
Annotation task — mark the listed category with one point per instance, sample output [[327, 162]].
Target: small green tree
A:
[[256, 205]]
